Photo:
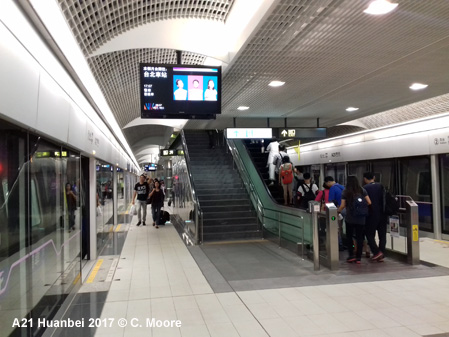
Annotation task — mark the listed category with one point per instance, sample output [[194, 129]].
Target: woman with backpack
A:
[[356, 201], [286, 179]]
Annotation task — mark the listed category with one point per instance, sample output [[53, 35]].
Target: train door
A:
[[416, 182], [444, 169], [358, 169], [337, 171], [385, 173]]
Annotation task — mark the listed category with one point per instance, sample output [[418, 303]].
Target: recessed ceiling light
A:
[[351, 108], [243, 107], [418, 86], [379, 7], [276, 83]]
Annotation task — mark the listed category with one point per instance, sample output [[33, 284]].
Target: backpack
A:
[[287, 175], [308, 196], [391, 204], [360, 206]]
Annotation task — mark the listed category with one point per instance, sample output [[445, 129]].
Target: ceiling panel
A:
[[330, 54], [95, 22]]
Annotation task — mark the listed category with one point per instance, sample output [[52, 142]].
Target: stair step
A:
[[230, 228], [220, 189], [249, 235], [227, 214], [229, 202], [214, 184], [221, 196], [226, 208], [229, 221]]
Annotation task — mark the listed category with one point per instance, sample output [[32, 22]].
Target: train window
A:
[[35, 210], [424, 188]]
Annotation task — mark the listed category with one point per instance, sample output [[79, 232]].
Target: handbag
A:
[[133, 210]]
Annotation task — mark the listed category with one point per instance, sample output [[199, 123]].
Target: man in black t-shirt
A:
[[141, 190], [376, 221]]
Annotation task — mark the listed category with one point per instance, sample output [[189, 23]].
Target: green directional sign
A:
[[333, 218]]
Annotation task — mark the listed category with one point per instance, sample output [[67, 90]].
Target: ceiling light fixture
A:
[[243, 108], [276, 83], [380, 7], [351, 109], [418, 86]]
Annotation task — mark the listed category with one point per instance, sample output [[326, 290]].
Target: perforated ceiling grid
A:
[[429, 107], [327, 50], [117, 73], [93, 22]]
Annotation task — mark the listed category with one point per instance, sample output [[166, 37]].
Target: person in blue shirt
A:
[[335, 191]]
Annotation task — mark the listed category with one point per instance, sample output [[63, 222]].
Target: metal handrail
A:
[[196, 201]]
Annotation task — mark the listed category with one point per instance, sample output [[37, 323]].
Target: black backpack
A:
[[308, 196], [391, 204]]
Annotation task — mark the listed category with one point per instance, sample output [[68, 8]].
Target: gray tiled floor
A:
[[262, 265]]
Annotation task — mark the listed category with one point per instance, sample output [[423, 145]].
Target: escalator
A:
[[260, 159]]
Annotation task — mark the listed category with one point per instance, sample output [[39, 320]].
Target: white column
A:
[[93, 208], [436, 195]]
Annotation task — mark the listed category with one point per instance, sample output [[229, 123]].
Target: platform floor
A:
[[255, 289]]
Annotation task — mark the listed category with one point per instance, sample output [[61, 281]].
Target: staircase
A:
[[260, 161], [228, 214]]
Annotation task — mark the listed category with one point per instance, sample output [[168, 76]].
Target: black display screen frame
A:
[[179, 109]]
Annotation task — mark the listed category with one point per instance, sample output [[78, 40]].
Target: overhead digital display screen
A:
[[179, 91]]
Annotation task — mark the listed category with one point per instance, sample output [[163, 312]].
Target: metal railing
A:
[[290, 223], [197, 207]]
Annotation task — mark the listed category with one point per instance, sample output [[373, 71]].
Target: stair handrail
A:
[[198, 211]]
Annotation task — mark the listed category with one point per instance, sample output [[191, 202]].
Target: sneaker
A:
[[157, 226], [143, 223], [138, 224], [351, 259], [358, 262], [378, 256], [271, 184], [154, 224]]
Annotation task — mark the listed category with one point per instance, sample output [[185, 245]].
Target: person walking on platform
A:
[[377, 221], [272, 149], [157, 202], [307, 191], [286, 179], [141, 190], [356, 201]]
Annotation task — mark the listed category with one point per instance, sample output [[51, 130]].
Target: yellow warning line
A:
[[111, 229], [118, 228], [445, 242], [77, 278], [94, 271]]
